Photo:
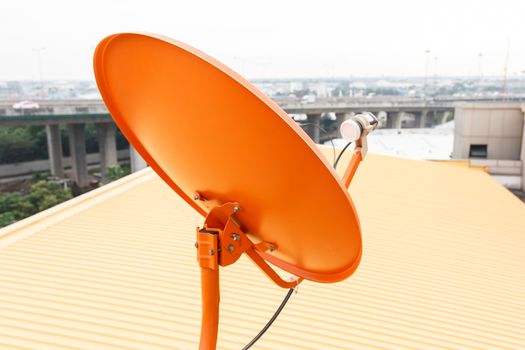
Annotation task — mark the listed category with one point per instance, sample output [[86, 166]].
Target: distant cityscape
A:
[[306, 90], [419, 118]]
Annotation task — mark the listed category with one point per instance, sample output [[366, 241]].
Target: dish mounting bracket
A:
[[221, 242]]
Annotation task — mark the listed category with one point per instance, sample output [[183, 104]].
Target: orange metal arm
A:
[[268, 271], [352, 166]]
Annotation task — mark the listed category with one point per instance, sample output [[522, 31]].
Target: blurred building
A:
[[491, 135]]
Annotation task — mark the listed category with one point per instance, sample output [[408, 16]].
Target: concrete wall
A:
[[498, 125], [36, 166], [523, 159], [499, 167]]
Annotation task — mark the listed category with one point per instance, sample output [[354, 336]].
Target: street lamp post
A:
[[480, 74], [427, 53], [435, 74], [39, 59]]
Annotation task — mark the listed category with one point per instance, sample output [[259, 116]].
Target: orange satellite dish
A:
[[237, 158]]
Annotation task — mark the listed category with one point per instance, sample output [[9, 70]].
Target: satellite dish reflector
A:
[[237, 158]]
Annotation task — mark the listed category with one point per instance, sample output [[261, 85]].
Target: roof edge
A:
[[26, 227]]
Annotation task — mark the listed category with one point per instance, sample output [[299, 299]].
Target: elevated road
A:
[[81, 110], [74, 114]]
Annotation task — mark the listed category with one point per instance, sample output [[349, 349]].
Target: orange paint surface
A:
[[204, 129]]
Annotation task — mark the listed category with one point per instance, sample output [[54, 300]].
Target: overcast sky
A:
[[274, 39]]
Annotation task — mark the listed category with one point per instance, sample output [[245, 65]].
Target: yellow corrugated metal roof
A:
[[443, 267]]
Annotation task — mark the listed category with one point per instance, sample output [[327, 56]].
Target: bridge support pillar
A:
[[137, 162], [77, 148], [393, 120], [54, 149], [421, 119], [340, 118], [442, 117], [431, 119], [107, 146], [313, 127]]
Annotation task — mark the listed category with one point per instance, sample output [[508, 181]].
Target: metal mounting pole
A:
[[210, 308], [221, 242], [207, 254]]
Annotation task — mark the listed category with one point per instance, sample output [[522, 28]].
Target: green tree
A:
[[42, 195], [45, 194], [7, 219], [15, 145], [116, 171]]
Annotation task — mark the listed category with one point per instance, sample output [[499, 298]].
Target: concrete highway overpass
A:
[[76, 113]]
